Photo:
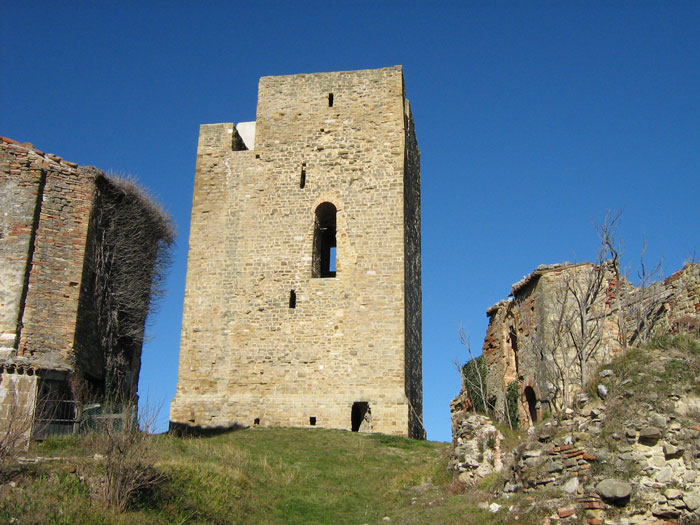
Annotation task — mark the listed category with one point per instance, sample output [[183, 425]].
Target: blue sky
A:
[[533, 119]]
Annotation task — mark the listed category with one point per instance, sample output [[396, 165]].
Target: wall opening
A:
[[292, 299], [514, 345], [331, 260], [312, 421], [361, 417], [531, 399], [323, 261], [256, 421], [55, 413], [302, 180], [330, 100], [237, 142]]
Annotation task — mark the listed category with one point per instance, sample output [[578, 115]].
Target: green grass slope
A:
[[316, 476], [257, 475]]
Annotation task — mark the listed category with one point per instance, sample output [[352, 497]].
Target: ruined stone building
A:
[[57, 219], [303, 295], [541, 342]]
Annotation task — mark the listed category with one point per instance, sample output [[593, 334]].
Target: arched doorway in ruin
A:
[[531, 399]]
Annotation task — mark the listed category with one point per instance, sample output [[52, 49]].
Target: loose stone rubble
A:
[[641, 469], [477, 449]]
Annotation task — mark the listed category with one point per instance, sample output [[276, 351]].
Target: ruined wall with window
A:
[[47, 326], [302, 301], [564, 320]]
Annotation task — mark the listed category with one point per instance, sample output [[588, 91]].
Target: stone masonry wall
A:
[[521, 332], [246, 356], [683, 307], [51, 199], [54, 284], [21, 185]]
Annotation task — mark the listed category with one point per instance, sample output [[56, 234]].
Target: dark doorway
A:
[[361, 417], [531, 399]]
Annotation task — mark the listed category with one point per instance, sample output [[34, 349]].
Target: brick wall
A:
[[51, 201], [21, 185], [47, 301]]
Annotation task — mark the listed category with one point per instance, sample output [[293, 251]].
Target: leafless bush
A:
[[644, 306], [569, 334], [15, 429], [124, 458], [25, 412], [473, 374], [129, 255]]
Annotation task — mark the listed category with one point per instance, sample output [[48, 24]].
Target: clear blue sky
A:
[[533, 120]]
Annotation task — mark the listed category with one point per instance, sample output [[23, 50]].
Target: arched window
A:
[[323, 260]]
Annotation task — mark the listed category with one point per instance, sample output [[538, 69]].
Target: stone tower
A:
[[303, 295]]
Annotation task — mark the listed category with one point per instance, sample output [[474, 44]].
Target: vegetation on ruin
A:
[[128, 255], [653, 378]]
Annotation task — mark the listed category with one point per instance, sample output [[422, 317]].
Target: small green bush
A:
[[474, 375], [512, 403]]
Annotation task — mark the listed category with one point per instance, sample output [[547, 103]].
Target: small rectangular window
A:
[[312, 421], [330, 100], [292, 299], [302, 180]]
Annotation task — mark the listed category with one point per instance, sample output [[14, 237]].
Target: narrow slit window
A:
[[330, 100], [292, 299], [302, 180], [324, 255]]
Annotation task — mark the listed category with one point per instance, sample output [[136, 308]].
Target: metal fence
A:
[[58, 418], [55, 418]]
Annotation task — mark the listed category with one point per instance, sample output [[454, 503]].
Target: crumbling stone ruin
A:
[[627, 440], [79, 253], [303, 294], [564, 320]]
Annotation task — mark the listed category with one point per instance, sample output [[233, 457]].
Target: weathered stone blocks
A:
[[266, 342]]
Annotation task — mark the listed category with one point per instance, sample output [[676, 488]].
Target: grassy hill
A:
[[307, 476], [256, 475]]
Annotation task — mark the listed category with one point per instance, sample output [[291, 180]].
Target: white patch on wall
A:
[[247, 132]]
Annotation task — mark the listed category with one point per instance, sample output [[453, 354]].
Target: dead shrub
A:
[[15, 429], [124, 459]]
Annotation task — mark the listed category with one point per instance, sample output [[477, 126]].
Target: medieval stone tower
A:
[[303, 295]]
